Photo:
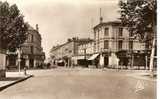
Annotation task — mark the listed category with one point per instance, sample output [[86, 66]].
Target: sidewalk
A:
[[12, 78]]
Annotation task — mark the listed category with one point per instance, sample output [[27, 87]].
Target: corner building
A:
[[32, 54], [117, 46]]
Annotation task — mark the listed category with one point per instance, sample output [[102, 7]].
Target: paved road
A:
[[80, 84]]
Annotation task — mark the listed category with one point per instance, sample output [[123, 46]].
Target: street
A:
[[80, 84]]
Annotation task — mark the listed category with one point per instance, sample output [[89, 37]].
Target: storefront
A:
[[80, 60]]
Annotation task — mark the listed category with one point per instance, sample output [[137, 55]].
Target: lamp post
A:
[[85, 57], [19, 58], [101, 59]]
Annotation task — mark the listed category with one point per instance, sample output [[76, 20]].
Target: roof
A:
[[113, 23], [31, 30], [30, 27], [80, 41], [55, 47], [87, 41]]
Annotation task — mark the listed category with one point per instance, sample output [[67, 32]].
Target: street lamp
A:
[[101, 59], [19, 58], [85, 57]]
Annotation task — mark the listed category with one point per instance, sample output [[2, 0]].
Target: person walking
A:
[[25, 70]]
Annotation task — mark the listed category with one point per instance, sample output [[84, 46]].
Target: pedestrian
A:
[[117, 64], [25, 70], [48, 65], [65, 63], [96, 63]]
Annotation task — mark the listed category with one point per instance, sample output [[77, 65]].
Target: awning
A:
[[60, 61], [78, 57], [93, 56]]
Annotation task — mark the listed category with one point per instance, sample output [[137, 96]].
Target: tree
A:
[[139, 16], [13, 29]]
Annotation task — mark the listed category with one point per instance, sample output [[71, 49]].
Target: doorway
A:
[[106, 60], [31, 63]]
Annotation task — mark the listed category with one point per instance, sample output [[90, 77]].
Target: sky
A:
[[59, 20]]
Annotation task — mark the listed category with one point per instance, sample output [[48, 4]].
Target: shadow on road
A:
[[10, 78]]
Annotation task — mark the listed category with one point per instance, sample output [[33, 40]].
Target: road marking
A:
[[139, 86]]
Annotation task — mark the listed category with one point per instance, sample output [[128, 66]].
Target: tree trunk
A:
[[152, 57]]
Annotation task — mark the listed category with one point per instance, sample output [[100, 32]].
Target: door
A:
[[31, 63], [106, 61]]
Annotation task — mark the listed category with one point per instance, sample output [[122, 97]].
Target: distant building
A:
[[32, 54], [116, 46], [66, 52], [85, 50]]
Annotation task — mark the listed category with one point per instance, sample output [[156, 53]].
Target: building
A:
[[67, 53], [31, 51], [2, 61], [115, 46], [85, 50]]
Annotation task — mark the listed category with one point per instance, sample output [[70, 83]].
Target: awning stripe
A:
[[93, 56]]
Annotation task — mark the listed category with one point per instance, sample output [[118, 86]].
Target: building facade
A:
[[116, 46], [67, 52], [31, 51], [85, 50]]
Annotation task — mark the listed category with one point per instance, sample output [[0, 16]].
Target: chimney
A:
[[37, 28]]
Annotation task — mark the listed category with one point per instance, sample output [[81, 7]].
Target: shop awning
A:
[[93, 56], [78, 57], [60, 61]]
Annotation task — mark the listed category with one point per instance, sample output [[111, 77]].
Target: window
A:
[[70, 51], [66, 49], [106, 44], [131, 34], [120, 31], [31, 38], [32, 49], [106, 31], [130, 45], [120, 43]]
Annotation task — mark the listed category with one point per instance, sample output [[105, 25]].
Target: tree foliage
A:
[[139, 16], [13, 29]]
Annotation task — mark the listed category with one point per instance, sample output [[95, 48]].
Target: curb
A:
[[15, 82]]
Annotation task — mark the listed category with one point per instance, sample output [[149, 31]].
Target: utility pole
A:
[[101, 59], [85, 57], [154, 28], [152, 57], [146, 58], [19, 59], [100, 14]]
